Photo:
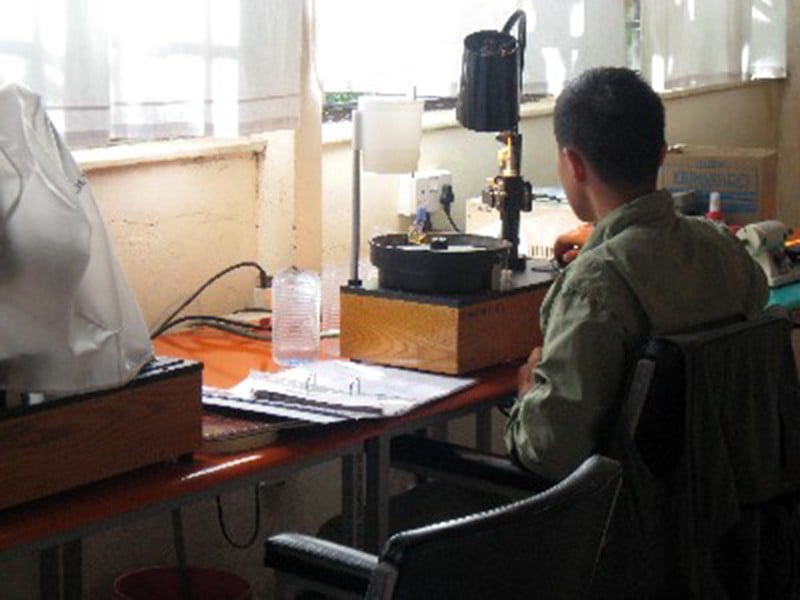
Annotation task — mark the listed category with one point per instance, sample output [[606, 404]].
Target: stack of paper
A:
[[335, 390]]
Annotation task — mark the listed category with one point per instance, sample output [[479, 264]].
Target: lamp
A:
[[488, 100], [386, 136]]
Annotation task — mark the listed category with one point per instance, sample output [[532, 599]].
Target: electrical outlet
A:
[[422, 189]]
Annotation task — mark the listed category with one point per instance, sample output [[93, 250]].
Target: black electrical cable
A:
[[256, 528], [518, 16], [230, 325], [233, 326], [264, 282], [446, 200], [452, 223]]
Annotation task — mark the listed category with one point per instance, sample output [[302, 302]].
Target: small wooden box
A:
[[443, 334], [51, 447]]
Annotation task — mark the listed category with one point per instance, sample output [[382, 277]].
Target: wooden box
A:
[[51, 447], [443, 334]]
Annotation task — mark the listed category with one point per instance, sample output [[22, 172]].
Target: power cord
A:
[[240, 328], [264, 282], [256, 526], [446, 199]]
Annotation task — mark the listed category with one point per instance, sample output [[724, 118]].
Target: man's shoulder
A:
[[593, 274]]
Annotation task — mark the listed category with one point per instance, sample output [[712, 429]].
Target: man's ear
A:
[[663, 154], [577, 164]]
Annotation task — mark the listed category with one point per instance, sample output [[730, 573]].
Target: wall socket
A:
[[422, 189]]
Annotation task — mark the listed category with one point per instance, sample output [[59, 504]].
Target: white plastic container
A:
[[391, 129], [295, 316]]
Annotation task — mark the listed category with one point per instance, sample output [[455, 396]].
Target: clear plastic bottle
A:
[[295, 316]]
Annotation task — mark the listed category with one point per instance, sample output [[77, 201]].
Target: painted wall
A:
[[175, 225]]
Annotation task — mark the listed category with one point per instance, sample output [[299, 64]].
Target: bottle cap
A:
[[714, 207], [714, 202]]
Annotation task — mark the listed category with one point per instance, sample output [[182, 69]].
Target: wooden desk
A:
[[62, 520]]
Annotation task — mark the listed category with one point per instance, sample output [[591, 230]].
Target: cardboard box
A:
[[744, 177]]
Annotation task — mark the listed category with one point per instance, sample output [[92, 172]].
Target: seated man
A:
[[645, 270]]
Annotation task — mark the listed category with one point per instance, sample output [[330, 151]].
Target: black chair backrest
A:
[[710, 427], [739, 375], [545, 546]]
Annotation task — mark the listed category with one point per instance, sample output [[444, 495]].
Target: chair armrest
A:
[[465, 466], [319, 560]]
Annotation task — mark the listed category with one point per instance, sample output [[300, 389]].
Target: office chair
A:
[[709, 440], [545, 545]]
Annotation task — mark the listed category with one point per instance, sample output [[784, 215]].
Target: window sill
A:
[[716, 87], [341, 132], [128, 155]]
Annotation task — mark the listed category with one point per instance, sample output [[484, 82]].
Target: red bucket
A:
[[172, 583]]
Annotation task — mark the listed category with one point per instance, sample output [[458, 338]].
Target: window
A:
[[148, 69], [416, 44], [690, 43], [633, 35]]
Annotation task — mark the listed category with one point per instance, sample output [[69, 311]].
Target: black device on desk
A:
[[472, 301], [488, 100]]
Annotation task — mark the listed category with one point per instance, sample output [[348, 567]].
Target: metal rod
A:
[[356, 223], [180, 554]]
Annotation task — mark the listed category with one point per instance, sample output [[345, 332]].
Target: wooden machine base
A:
[[54, 446], [443, 334]]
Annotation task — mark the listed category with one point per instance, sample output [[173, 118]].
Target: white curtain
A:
[[418, 43], [688, 43], [151, 69]]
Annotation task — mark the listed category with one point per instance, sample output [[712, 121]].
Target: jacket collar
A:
[[650, 209]]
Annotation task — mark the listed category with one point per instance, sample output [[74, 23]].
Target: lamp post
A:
[[386, 136]]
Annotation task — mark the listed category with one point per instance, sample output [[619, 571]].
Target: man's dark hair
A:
[[616, 121]]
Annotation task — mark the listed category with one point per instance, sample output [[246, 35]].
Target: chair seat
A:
[[465, 466], [425, 503]]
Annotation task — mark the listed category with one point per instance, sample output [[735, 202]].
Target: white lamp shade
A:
[[391, 129]]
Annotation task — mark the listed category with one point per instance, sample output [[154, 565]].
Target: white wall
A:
[[174, 225]]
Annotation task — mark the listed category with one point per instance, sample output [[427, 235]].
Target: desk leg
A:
[[49, 575], [483, 429], [180, 551], [376, 525], [353, 500], [72, 558]]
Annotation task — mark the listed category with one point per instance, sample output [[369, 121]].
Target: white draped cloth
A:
[[150, 69]]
